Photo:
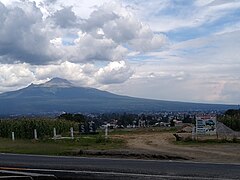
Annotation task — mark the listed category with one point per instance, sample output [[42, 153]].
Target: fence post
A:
[[71, 130], [13, 136], [106, 131], [35, 134], [54, 133]]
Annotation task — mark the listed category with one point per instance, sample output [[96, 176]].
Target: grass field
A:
[[150, 141], [59, 147], [67, 146]]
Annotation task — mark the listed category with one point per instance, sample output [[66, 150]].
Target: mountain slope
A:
[[58, 95]]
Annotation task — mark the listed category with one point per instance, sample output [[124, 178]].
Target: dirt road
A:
[[164, 143]]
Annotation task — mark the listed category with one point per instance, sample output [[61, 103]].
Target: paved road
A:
[[101, 167]]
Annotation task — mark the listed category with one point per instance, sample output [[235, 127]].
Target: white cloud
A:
[[99, 43], [89, 48], [51, 42], [82, 9], [119, 24], [165, 16], [231, 28], [12, 76], [114, 72], [199, 70], [57, 42], [15, 76], [203, 2], [66, 70], [230, 91], [148, 44], [26, 36]]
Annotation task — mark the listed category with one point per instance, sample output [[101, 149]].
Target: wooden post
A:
[[54, 133], [35, 134], [71, 131], [13, 136], [106, 132]]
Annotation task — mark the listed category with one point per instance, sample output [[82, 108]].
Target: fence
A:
[[31, 128]]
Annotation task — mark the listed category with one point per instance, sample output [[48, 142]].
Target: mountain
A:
[[59, 95]]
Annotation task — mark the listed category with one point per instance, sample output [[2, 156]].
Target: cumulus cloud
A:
[[109, 34], [86, 74], [21, 35], [96, 44], [114, 72], [98, 18], [65, 17], [120, 25], [12, 76], [35, 47], [145, 44], [89, 48], [15, 76], [67, 70]]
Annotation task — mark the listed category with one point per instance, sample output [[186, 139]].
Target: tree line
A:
[[231, 118]]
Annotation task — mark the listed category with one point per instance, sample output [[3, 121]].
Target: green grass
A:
[[69, 146], [59, 147]]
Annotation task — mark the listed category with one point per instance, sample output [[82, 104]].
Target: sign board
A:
[[206, 125]]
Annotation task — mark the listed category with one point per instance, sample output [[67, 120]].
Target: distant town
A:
[[131, 120]]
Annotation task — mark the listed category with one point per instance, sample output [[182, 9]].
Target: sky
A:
[[174, 50]]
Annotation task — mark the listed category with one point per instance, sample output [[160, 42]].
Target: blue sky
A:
[[168, 49]]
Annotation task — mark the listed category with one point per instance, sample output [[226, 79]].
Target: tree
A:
[[172, 124], [231, 118], [73, 117]]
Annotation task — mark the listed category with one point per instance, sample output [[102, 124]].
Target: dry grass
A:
[[165, 143], [150, 141]]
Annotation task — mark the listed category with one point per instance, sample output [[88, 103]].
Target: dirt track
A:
[[163, 143]]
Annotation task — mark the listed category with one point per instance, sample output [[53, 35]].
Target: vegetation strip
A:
[[129, 154]]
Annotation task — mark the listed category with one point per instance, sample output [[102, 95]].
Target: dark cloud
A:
[[21, 36], [51, 1], [65, 18], [98, 18], [108, 34]]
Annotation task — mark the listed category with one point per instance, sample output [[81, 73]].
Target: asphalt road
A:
[[107, 168]]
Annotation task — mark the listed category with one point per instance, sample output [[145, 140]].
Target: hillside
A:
[[59, 95]]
